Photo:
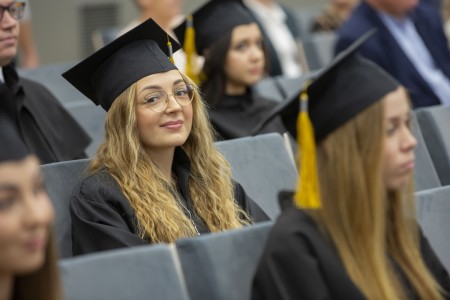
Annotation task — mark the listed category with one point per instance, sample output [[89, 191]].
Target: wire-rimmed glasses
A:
[[158, 100], [16, 10]]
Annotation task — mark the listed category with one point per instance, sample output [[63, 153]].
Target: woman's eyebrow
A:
[[8, 188], [151, 87]]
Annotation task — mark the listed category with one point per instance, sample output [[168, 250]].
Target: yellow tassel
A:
[[169, 45], [190, 51], [307, 194]]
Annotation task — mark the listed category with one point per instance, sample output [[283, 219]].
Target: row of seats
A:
[[261, 164], [214, 266], [433, 151]]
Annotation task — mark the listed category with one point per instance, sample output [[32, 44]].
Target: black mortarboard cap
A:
[[340, 91], [11, 145], [213, 20], [108, 72]]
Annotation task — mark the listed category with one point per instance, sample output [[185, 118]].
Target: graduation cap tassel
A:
[[190, 50], [169, 45], [307, 194]]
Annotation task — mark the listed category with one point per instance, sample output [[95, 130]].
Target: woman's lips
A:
[[173, 124]]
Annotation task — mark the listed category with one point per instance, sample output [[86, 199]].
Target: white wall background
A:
[[56, 24]]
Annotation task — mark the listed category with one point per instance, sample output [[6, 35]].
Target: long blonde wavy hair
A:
[[159, 214], [367, 224]]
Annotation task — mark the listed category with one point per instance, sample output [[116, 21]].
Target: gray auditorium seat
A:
[[138, 273], [433, 212], [50, 77], [221, 266], [280, 88], [60, 179], [319, 49], [425, 175], [262, 165], [434, 124], [92, 119]]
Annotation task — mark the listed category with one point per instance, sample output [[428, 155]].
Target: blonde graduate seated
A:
[[352, 233], [28, 264], [157, 177]]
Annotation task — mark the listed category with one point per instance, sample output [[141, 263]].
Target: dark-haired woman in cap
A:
[[350, 234], [28, 265], [229, 38], [157, 177]]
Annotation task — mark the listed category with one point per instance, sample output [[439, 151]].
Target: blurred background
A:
[[63, 29]]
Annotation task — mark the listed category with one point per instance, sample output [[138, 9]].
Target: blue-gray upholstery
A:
[[60, 179], [50, 77], [92, 119], [221, 266], [319, 49], [138, 273], [280, 88], [425, 175], [435, 123], [433, 213], [262, 165]]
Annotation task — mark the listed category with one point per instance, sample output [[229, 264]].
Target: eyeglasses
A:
[[158, 101], [15, 9]]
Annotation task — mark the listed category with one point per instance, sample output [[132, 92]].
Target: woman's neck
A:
[[163, 159], [6, 286], [233, 89]]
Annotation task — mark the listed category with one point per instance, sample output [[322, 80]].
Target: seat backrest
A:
[[60, 179], [280, 88], [263, 166], [221, 266], [425, 175], [433, 213], [50, 77], [434, 124], [319, 49], [138, 273], [92, 119]]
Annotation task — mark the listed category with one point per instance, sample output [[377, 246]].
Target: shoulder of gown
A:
[[102, 217]]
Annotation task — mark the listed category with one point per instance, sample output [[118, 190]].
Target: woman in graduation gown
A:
[[228, 37], [28, 263], [157, 176], [351, 233]]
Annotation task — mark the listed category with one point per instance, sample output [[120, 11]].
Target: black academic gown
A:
[[299, 263], [47, 129], [237, 116], [103, 219]]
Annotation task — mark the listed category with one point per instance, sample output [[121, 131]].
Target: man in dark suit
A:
[[410, 45]]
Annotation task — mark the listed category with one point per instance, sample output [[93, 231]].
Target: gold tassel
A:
[[190, 50], [169, 45], [307, 194]]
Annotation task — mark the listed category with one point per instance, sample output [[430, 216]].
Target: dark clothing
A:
[[273, 60], [46, 128], [300, 263], [236, 116], [384, 50], [103, 219]]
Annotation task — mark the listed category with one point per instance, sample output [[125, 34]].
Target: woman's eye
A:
[[7, 202], [391, 128], [181, 92], [241, 46], [152, 98]]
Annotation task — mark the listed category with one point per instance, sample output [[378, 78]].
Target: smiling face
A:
[[399, 142], [245, 61], [160, 131], [9, 33], [26, 216]]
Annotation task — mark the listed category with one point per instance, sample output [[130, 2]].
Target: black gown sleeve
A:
[[101, 219], [434, 265], [247, 204], [288, 270]]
